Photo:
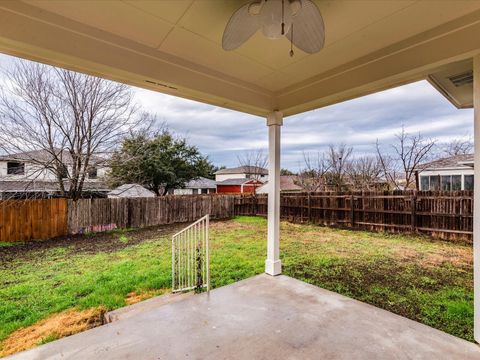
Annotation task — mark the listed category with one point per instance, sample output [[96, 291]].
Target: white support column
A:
[[476, 199], [273, 266]]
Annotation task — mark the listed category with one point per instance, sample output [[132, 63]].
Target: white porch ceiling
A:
[[174, 47]]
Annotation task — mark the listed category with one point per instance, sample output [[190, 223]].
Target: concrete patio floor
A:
[[262, 317]]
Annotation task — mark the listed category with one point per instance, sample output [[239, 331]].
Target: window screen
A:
[[468, 182], [456, 182], [424, 183], [434, 182], [446, 182]]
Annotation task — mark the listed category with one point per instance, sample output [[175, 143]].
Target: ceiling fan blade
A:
[[241, 26], [308, 28]]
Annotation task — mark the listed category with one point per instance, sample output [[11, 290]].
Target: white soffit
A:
[[174, 47], [455, 82]]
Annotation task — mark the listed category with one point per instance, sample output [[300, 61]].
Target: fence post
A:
[[309, 208], [414, 213], [352, 210]]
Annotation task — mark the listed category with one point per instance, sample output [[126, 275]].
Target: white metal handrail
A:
[[190, 257]]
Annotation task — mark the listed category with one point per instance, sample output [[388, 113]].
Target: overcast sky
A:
[[224, 134]]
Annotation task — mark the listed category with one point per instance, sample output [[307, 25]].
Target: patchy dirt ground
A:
[[52, 328], [84, 244]]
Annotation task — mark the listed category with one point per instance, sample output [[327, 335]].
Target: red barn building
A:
[[238, 186]]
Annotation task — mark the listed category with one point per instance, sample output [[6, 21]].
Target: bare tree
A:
[[364, 172], [408, 152], [71, 119], [311, 177], [458, 147], [338, 158], [255, 162]]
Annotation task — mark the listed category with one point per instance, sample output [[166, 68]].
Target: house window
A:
[[92, 173], [456, 182], [468, 182], [204, 191], [446, 183], [15, 168], [425, 183], [434, 183], [63, 171]]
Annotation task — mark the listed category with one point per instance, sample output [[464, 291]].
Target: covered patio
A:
[[262, 317], [175, 47]]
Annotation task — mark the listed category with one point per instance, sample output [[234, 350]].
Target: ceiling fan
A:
[[298, 20]]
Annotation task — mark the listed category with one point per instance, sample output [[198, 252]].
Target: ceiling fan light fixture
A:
[[275, 13]]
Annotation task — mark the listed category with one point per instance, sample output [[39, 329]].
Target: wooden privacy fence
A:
[[33, 219], [445, 215], [22, 220], [93, 215], [441, 214]]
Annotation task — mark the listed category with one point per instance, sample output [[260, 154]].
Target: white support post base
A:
[[273, 265], [476, 199]]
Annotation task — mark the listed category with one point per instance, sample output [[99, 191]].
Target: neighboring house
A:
[[452, 173], [242, 172], [238, 186], [23, 175], [130, 191], [200, 185], [288, 184], [29, 166]]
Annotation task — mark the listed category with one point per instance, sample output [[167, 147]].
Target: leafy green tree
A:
[[286, 172], [159, 162]]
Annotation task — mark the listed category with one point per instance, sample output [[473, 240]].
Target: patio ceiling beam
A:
[[31, 33]]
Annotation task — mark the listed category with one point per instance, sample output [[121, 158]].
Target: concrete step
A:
[[146, 305]]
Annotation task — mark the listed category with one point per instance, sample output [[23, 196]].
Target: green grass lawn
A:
[[428, 281]]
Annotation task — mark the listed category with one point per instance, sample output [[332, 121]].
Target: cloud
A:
[[224, 134]]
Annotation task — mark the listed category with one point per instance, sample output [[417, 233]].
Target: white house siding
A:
[[37, 172], [32, 172], [222, 177]]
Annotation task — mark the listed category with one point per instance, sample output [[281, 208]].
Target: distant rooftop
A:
[[47, 186], [236, 181], [44, 155], [201, 183], [287, 183], [131, 191], [456, 161], [243, 170]]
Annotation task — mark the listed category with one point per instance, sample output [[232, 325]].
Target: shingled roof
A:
[[131, 191], [457, 161], [18, 186], [243, 170], [236, 181], [44, 155], [287, 183], [201, 183]]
